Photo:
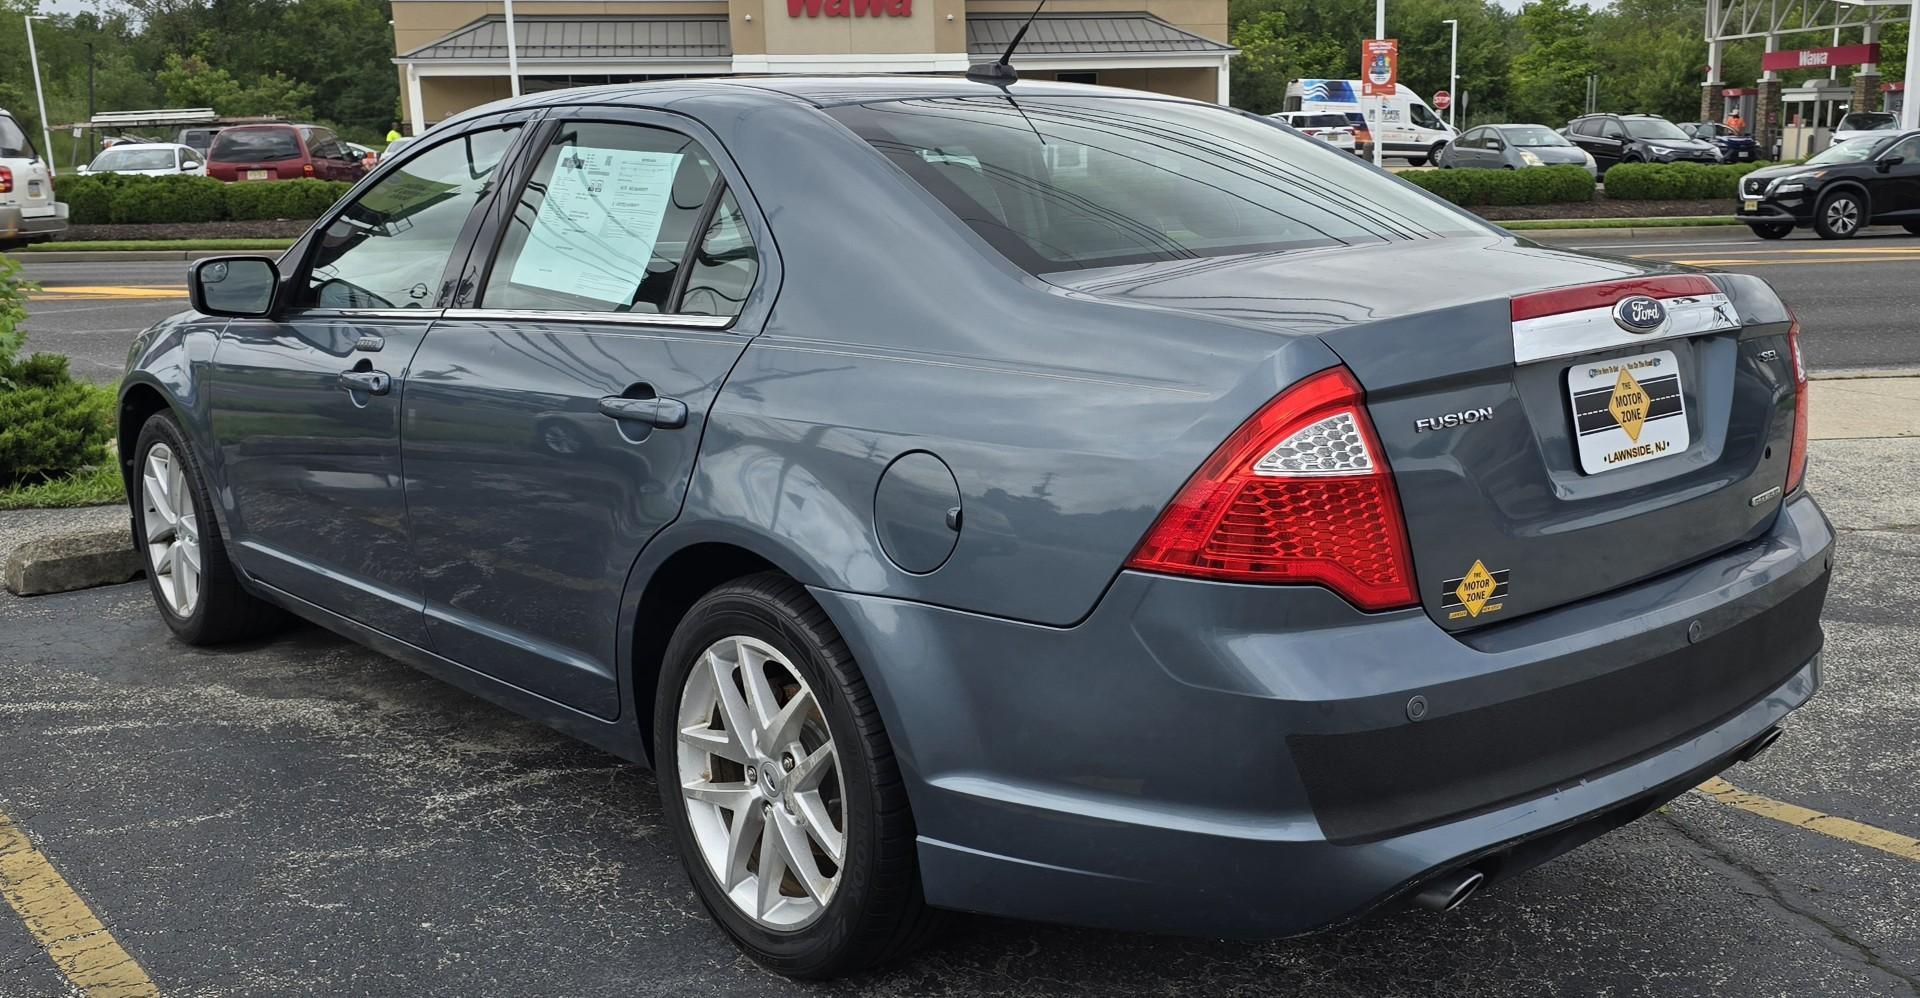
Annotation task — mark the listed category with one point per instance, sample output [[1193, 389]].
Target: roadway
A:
[[1857, 300]]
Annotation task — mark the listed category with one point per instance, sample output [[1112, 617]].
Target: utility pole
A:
[[89, 81], [1453, 69], [33, 54], [513, 51], [1380, 105]]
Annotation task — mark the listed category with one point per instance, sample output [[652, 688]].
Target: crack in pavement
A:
[[1763, 882]]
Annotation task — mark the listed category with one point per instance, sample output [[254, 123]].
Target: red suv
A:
[[281, 152]]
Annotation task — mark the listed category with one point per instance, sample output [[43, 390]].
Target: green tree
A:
[[1549, 78]]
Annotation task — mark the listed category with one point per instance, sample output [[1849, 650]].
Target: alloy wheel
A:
[[1843, 215], [172, 529], [761, 781]]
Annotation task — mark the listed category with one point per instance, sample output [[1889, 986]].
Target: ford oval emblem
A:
[[1639, 314]]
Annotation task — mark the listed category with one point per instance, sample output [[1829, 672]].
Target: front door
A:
[[306, 406], [552, 427], [1897, 190]]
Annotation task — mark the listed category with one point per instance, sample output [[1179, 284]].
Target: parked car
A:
[[1861, 123], [28, 211], [369, 156], [1733, 146], [199, 138], [1872, 180], [1048, 501], [1513, 147], [155, 159], [281, 152], [1408, 127], [1636, 138], [1333, 129]]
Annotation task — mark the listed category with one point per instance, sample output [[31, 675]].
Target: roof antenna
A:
[[1002, 72]]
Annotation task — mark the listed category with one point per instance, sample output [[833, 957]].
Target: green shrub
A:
[[1676, 181], [295, 199], [50, 424], [151, 200], [89, 197], [1537, 185]]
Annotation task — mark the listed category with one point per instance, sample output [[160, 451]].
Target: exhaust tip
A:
[[1449, 890], [1761, 744]]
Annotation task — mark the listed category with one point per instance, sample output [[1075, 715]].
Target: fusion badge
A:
[[1477, 592]]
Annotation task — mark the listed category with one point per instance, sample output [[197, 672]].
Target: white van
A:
[[1408, 127], [28, 212]]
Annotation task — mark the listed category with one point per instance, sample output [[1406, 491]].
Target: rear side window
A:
[[1587, 126], [255, 145], [389, 247], [724, 266], [604, 223], [13, 139], [1066, 183]]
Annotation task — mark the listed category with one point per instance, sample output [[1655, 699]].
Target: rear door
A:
[[306, 407], [553, 418]]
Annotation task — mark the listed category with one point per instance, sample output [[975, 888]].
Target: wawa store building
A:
[[452, 54]]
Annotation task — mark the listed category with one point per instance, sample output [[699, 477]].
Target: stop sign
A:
[[1442, 100]]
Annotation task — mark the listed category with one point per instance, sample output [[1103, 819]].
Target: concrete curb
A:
[[1656, 232], [133, 256], [59, 550]]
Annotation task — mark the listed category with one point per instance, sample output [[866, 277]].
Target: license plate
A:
[[256, 174], [1627, 410], [1753, 204], [33, 188]]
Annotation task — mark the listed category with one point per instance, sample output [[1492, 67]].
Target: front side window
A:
[[1908, 151], [1424, 116], [1067, 183], [389, 247], [604, 222]]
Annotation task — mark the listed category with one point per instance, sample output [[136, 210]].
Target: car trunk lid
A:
[[1472, 385]]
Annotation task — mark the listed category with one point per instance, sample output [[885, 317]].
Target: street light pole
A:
[[1380, 104], [33, 54], [1453, 68], [513, 52]]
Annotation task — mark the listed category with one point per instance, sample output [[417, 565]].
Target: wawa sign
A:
[[850, 8], [1843, 55]]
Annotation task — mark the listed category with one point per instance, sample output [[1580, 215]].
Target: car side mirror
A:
[[237, 287], [1889, 163], [190, 165]]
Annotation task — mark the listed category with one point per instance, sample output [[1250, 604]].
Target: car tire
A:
[[1433, 153], [1775, 230], [1416, 161], [836, 917], [1840, 214], [174, 525]]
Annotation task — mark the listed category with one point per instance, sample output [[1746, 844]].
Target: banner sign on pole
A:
[[1380, 62]]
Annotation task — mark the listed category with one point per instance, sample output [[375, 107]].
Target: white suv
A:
[[28, 212], [1330, 127]]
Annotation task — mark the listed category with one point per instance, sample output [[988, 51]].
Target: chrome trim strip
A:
[[609, 318], [1570, 334], [371, 313]]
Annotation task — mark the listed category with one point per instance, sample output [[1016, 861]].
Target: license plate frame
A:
[[256, 174], [1627, 410], [1752, 204]]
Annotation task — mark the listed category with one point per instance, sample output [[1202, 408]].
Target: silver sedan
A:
[[1513, 147]]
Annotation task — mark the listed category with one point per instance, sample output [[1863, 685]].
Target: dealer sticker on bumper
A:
[[1628, 410]]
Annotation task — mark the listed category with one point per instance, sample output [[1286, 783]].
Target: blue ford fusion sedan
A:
[[1048, 501]]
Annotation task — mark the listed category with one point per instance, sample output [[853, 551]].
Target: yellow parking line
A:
[[79, 945], [78, 292], [1826, 824], [1762, 262]]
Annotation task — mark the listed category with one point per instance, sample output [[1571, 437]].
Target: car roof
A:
[[820, 91], [116, 147]]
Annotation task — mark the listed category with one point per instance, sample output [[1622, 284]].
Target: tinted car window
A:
[[255, 145], [1587, 126], [1062, 183], [603, 224], [387, 249], [1908, 150], [724, 266], [13, 140], [1533, 136]]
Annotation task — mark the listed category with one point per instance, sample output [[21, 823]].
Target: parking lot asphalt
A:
[[1856, 299], [305, 817]]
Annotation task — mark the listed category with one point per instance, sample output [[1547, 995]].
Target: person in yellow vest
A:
[[393, 134]]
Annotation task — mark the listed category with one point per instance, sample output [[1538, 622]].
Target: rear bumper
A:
[[14, 225], [1240, 760]]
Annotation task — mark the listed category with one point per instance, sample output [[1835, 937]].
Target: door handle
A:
[[665, 413], [371, 382]]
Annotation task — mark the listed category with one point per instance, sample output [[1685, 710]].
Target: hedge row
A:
[[111, 198], [1535, 185], [1676, 181]]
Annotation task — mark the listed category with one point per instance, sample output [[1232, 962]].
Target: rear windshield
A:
[[255, 145], [1321, 121], [1068, 183], [13, 141], [134, 159], [1866, 121]]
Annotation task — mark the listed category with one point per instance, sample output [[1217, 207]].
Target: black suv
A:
[[1871, 180], [1637, 138]]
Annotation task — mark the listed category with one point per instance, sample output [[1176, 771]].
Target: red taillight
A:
[[1797, 457], [6, 180], [307, 168], [1300, 493]]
